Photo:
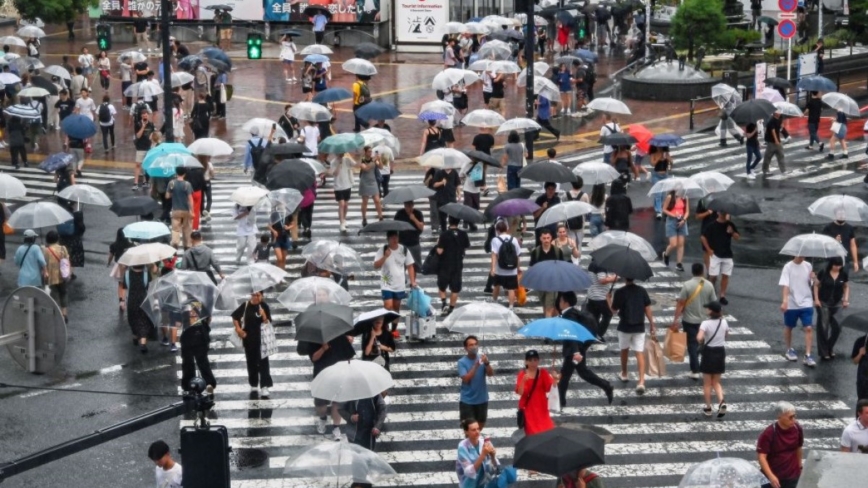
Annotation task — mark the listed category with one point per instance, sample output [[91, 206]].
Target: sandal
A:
[[707, 411], [121, 304], [721, 409]]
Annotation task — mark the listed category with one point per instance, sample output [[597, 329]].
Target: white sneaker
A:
[[264, 393], [343, 227], [624, 377], [694, 376], [320, 425], [336, 432], [751, 176]]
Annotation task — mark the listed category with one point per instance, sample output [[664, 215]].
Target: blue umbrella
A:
[[216, 54], [56, 161], [556, 276], [190, 62], [78, 126], [666, 140], [586, 55], [145, 231], [432, 116], [816, 83], [316, 58], [164, 166], [557, 329], [162, 150], [332, 95], [378, 111]]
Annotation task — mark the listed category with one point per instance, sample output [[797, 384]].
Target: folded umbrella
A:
[[480, 318], [291, 173], [547, 171], [522, 193], [248, 196], [596, 173], [146, 230], [36, 215], [514, 208], [367, 50], [210, 146], [313, 290], [338, 463], [408, 194], [387, 226], [320, 323], [378, 111], [463, 212], [559, 451], [623, 261], [56, 161], [623, 238], [135, 205], [557, 329], [840, 207], [330, 95], [316, 49], [556, 276], [359, 66], [751, 111], [816, 83], [11, 187], [564, 211], [610, 105], [143, 254], [808, 246], [341, 143], [734, 204], [87, 194]]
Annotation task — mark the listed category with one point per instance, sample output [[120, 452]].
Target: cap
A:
[[714, 306], [30, 233], [254, 131], [531, 354]]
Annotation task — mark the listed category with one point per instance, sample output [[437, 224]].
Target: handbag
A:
[[269, 340], [675, 345], [703, 343], [519, 418], [431, 265], [521, 295], [234, 338], [836, 128], [8, 229], [654, 359]]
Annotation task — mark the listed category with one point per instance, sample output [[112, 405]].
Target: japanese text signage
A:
[[343, 11], [420, 20]]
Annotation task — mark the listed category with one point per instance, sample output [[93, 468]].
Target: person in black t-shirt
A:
[[433, 213], [451, 247], [813, 109], [338, 349], [860, 359], [410, 238], [844, 233], [707, 217], [65, 106], [483, 142], [546, 251], [831, 293], [142, 142], [546, 201], [248, 320], [446, 183], [141, 69], [717, 242], [632, 304], [774, 146]]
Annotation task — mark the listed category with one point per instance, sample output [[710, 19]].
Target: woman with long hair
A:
[[831, 293], [598, 215], [661, 165], [104, 65], [116, 250], [251, 319], [431, 138], [368, 184], [677, 209], [618, 207], [712, 364], [839, 135]]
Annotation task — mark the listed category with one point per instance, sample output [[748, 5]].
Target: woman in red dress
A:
[[533, 386]]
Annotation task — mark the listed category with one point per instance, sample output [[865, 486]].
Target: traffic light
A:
[[254, 46], [104, 37]]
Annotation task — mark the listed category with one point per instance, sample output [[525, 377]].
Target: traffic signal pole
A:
[[529, 40], [168, 97]]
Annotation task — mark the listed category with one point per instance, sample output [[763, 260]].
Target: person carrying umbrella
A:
[[717, 241], [632, 304], [181, 193], [194, 348], [16, 132], [200, 257], [338, 349], [143, 130], [797, 304], [774, 145], [839, 134], [393, 260], [831, 292], [31, 262], [246, 232], [410, 238], [288, 49], [814, 110], [361, 97], [451, 247], [251, 321], [342, 172], [779, 448], [610, 126], [365, 419], [618, 207], [575, 352], [546, 251]]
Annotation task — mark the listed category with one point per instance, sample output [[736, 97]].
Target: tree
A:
[[53, 11], [698, 21], [859, 18]]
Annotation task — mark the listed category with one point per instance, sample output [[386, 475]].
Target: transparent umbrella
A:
[[723, 473], [359, 66], [518, 124], [176, 290], [539, 68], [81, 193], [247, 280], [788, 109], [11, 187], [332, 256], [313, 290], [351, 380], [263, 127], [316, 49], [248, 196], [210, 146], [712, 181], [563, 212], [842, 103], [483, 118], [476, 28], [596, 173], [627, 239], [146, 254], [444, 158], [339, 461], [39, 214], [285, 200], [375, 135], [309, 111], [840, 207], [610, 105], [495, 50], [480, 318], [438, 106], [813, 246], [449, 77], [690, 188]]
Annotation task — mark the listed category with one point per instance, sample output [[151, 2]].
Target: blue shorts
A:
[[672, 228], [792, 317], [287, 61], [86, 71], [283, 242], [607, 157], [393, 295]]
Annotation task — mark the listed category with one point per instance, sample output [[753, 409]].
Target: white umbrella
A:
[[87, 194], [544, 87], [58, 71], [497, 21], [789, 109], [30, 31], [210, 146], [143, 89], [341, 463], [36, 215], [449, 77], [359, 66], [11, 187], [12, 41], [676, 183], [483, 117], [34, 92], [444, 158], [626, 239], [771, 95], [495, 50], [563, 212], [133, 56], [37, 22], [477, 28], [11, 56], [332, 256], [9, 78], [351, 380], [249, 279], [480, 65], [248, 196], [811, 246], [838, 101], [481, 318], [181, 78], [840, 207], [712, 181], [506, 67], [316, 49], [610, 105], [518, 124], [264, 127], [537, 20], [286, 199], [146, 254], [312, 290], [454, 28], [310, 111], [438, 106], [375, 135], [723, 94], [316, 165], [723, 472], [596, 173], [539, 69]]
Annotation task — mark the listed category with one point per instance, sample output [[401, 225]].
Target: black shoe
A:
[[845, 156], [665, 258], [822, 145], [830, 157], [610, 393], [364, 222], [143, 348], [722, 143], [679, 268], [446, 312], [723, 301]]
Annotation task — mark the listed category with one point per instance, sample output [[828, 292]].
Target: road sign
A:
[[786, 15], [787, 29], [788, 5], [31, 314]]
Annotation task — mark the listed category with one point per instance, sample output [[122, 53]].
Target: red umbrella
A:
[[642, 135]]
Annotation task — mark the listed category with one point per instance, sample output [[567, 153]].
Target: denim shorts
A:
[[393, 295], [792, 317], [672, 228]]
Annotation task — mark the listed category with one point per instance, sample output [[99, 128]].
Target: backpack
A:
[[256, 152], [613, 129], [507, 257], [105, 116], [364, 93]]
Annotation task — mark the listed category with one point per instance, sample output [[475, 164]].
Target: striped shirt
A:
[[598, 291]]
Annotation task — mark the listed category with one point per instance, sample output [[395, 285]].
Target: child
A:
[[263, 250], [168, 471]]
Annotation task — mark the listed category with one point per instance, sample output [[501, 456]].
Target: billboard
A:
[[343, 11], [420, 21], [184, 9]]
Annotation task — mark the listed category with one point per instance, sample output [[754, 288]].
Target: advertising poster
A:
[[759, 78], [343, 11], [420, 21], [184, 9], [241, 9]]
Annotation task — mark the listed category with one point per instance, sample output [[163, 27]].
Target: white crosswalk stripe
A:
[[41, 185], [654, 438]]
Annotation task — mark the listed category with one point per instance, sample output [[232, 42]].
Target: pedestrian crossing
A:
[[41, 185], [702, 152], [653, 439]]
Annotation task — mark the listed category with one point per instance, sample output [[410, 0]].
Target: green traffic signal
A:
[[103, 37], [254, 46]]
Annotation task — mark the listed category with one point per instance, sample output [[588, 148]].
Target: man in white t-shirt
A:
[[245, 217], [797, 303], [855, 435], [506, 278], [393, 260], [168, 471], [84, 105], [610, 126]]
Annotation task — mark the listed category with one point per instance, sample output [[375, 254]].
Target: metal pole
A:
[[530, 38], [647, 29], [12, 338], [31, 335], [692, 107], [789, 56], [165, 16], [820, 20]]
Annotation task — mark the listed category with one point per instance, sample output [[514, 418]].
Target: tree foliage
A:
[[53, 11], [698, 22], [859, 18]]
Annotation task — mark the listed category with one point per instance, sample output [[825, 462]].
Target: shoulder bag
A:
[[520, 420], [703, 344], [234, 338], [695, 293]]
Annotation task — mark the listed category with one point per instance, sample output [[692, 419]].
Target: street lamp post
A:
[[165, 17], [529, 39]]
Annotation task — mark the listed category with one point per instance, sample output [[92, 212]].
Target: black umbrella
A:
[[312, 10], [388, 226], [857, 321], [45, 84], [290, 174], [289, 32], [623, 261], [559, 451], [138, 205], [777, 82], [219, 7], [407, 194], [751, 111], [734, 204], [483, 158], [547, 171], [364, 325], [288, 149], [321, 323], [618, 139], [368, 50], [463, 212], [509, 195]]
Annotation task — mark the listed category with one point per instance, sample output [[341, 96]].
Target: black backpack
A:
[[507, 258], [256, 152], [105, 116]]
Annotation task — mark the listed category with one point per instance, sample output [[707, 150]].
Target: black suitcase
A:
[[205, 457]]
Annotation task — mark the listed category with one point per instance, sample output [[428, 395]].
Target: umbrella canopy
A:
[[751, 111], [518, 124], [712, 181], [292, 33], [623, 261], [426, 116], [514, 208], [332, 256], [375, 135], [557, 329], [30, 31], [540, 68], [219, 7], [58, 71], [438, 106], [34, 92], [563, 212], [480, 318], [610, 105], [359, 66], [816, 83], [316, 58], [812, 246], [311, 291], [444, 158], [408, 194], [522, 193], [642, 136], [482, 158], [567, 60], [291, 173], [771, 94], [378, 111], [351, 380], [666, 140], [165, 166], [689, 187], [495, 49], [251, 279], [547, 171], [78, 126], [309, 111], [585, 55], [505, 67], [776, 82], [45, 84], [454, 28], [181, 78], [81, 193], [476, 28], [618, 139], [36, 215], [734, 204], [147, 88], [724, 95], [344, 462], [559, 451], [293, 149], [767, 20], [626, 239], [12, 41], [135, 56], [210, 146], [789, 109], [11, 187], [388, 226], [287, 198], [314, 10], [483, 118], [176, 291], [840, 207], [596, 173], [463, 212], [367, 50], [331, 95], [248, 196], [321, 323], [556, 276], [218, 59], [143, 254], [857, 321], [506, 35], [163, 149], [135, 205], [842, 103], [264, 126], [28, 112], [450, 77], [145, 230], [56, 161], [735, 472], [341, 143], [316, 49]]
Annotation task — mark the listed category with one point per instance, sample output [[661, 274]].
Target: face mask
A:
[[473, 350]]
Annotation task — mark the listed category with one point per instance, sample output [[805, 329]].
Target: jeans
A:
[[812, 134], [384, 186], [828, 329], [658, 197], [692, 344], [108, 131], [757, 157], [206, 198], [601, 312], [596, 224], [512, 179]]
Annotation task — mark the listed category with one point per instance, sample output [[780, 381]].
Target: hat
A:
[[714, 306], [171, 38], [30, 233], [531, 354], [254, 131]]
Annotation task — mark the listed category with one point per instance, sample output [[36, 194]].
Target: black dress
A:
[[137, 290]]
